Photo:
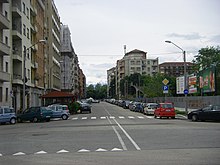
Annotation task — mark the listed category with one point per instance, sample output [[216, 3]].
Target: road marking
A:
[[116, 149], [84, 118], [128, 136], [19, 154], [75, 118], [131, 117], [83, 150], [112, 117], [93, 118], [140, 117], [62, 151], [150, 117], [101, 150], [118, 135], [103, 117], [40, 152], [121, 117], [1, 155]]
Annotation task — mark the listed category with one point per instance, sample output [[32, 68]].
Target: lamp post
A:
[[24, 70], [185, 76]]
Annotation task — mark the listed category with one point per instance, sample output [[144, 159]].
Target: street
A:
[[110, 135]]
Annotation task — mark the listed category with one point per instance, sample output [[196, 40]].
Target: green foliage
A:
[[73, 107], [96, 92]]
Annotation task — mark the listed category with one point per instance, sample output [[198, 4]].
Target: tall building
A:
[[82, 84], [5, 53], [111, 82], [175, 69], [53, 56]]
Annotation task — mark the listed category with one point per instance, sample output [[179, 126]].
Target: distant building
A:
[[111, 82], [175, 69]]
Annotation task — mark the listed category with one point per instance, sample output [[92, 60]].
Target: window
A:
[[0, 94], [1, 111], [24, 29], [25, 50], [27, 13], [24, 8], [6, 94], [6, 40], [6, 14], [28, 54], [6, 66], [28, 73], [28, 33], [148, 62]]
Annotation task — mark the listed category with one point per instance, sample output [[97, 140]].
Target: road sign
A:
[[165, 89], [186, 91], [165, 81]]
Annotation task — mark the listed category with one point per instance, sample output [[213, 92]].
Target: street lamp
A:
[[185, 76], [24, 70]]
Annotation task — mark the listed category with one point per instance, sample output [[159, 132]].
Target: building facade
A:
[[5, 53], [175, 69]]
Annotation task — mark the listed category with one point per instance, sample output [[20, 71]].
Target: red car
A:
[[165, 110]]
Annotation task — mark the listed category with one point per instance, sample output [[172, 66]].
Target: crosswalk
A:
[[110, 117]]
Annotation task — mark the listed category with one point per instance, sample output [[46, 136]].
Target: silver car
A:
[[7, 115], [149, 109]]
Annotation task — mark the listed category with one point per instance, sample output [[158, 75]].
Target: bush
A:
[[73, 107]]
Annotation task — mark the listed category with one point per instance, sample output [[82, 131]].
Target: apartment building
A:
[[133, 62], [82, 84], [5, 53], [111, 82], [53, 56], [175, 69]]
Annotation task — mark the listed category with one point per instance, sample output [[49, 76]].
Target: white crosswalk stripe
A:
[[84, 118], [140, 117], [75, 118], [103, 117], [121, 117], [93, 118], [131, 117]]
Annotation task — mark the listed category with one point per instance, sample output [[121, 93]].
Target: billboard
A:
[[192, 82], [207, 80], [180, 85]]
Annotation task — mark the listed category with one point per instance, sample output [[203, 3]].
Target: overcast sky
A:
[[101, 28]]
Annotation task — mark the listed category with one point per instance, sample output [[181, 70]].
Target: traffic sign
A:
[[165, 81], [186, 91], [165, 89]]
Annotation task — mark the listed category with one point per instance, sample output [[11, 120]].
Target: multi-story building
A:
[[175, 69], [53, 56], [82, 84], [133, 62], [111, 82], [5, 52]]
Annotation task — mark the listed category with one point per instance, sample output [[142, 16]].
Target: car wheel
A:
[[64, 117], [13, 121], [47, 120], [19, 120], [155, 116], [173, 117], [35, 120], [194, 118]]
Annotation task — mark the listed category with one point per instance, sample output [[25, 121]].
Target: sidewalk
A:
[[183, 109]]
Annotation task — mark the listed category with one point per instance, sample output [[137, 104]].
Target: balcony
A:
[[4, 76], [4, 1], [33, 10], [34, 48], [4, 22], [35, 65], [16, 10], [17, 79], [16, 32], [4, 49], [17, 56]]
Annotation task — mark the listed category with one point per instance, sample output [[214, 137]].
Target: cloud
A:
[[215, 39], [192, 36]]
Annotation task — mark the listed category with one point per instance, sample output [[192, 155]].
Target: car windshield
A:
[[153, 106], [167, 105]]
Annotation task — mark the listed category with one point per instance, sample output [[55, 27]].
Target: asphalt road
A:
[[110, 135]]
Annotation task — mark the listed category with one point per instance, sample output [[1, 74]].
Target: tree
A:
[[97, 91]]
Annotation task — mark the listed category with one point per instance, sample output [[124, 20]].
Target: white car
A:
[[149, 109]]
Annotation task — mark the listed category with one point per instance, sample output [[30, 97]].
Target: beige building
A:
[[5, 53], [53, 56], [133, 62]]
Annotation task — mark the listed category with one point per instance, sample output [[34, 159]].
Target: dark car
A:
[[211, 112], [35, 114], [85, 107]]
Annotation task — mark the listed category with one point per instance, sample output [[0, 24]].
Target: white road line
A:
[[140, 117], [93, 118], [62, 151], [84, 118], [131, 117], [111, 117], [101, 150], [128, 136], [118, 135], [121, 117], [150, 117], [19, 154], [83, 150], [116, 149], [104, 117], [75, 118], [40, 152], [1, 155]]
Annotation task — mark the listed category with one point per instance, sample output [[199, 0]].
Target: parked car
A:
[[211, 112], [125, 104], [165, 110], [85, 107], [59, 111], [35, 114], [7, 115], [138, 107], [150, 108]]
